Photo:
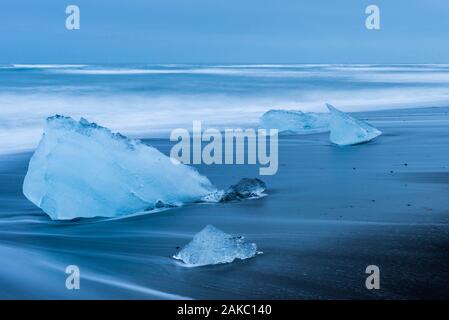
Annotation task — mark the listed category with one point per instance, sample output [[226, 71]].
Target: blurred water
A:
[[329, 213], [150, 100]]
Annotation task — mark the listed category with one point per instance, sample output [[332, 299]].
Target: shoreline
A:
[[371, 116], [330, 211]]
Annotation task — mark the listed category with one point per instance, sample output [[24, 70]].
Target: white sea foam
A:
[[22, 115], [222, 71], [221, 101], [403, 77]]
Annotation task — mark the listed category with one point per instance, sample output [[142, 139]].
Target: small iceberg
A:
[[81, 169], [245, 189], [213, 246], [295, 122], [346, 130]]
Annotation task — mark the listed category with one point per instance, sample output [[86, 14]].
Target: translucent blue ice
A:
[[295, 122], [213, 246], [346, 130], [246, 188], [81, 169]]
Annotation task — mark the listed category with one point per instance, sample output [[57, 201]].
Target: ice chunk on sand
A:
[[245, 189], [346, 130], [295, 122], [81, 169], [213, 246]]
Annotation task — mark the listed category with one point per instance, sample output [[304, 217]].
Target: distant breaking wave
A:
[[198, 71], [43, 66], [352, 73]]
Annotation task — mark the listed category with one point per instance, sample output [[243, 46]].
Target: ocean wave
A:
[[46, 66], [353, 73], [252, 72], [141, 115]]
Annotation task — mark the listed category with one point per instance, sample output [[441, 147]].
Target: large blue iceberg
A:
[[81, 169], [295, 122], [346, 130], [213, 246]]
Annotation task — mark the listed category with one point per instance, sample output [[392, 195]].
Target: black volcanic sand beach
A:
[[330, 212]]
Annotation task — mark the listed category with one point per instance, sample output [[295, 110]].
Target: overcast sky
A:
[[224, 31]]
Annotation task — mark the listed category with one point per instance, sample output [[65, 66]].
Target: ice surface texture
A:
[[245, 189], [81, 169], [213, 246], [295, 122], [346, 130]]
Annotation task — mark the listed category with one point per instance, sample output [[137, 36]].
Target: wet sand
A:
[[330, 212]]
